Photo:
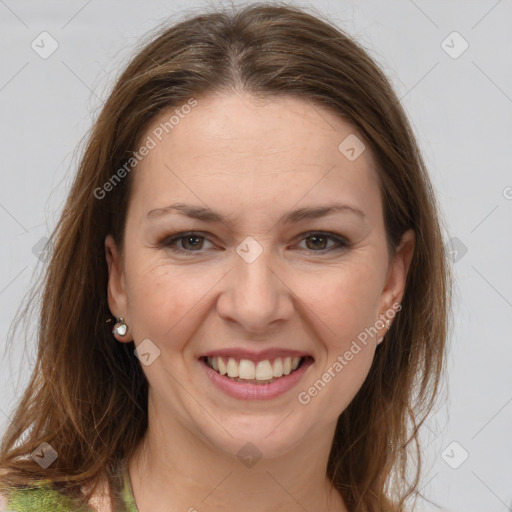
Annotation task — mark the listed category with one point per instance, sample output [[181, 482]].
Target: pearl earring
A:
[[120, 328], [388, 325]]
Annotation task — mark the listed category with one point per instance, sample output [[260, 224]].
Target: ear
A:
[[396, 278], [116, 292]]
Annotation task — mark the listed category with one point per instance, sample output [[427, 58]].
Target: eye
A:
[[316, 241], [319, 240], [184, 242]]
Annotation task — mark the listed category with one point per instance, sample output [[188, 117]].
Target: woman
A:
[[246, 304]]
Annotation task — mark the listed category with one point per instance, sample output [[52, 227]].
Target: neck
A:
[[183, 472]]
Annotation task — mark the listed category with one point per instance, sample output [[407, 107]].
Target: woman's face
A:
[[282, 256]]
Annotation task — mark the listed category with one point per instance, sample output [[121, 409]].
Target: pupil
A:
[[187, 240], [316, 237]]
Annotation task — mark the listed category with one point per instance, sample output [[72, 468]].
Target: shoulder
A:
[[40, 497]]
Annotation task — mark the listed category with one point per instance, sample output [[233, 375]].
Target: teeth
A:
[[287, 365], [246, 369], [222, 367], [232, 368], [278, 367], [264, 370]]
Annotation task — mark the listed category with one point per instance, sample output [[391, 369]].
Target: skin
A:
[[252, 160]]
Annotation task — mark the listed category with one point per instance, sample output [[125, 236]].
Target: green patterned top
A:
[[41, 497]]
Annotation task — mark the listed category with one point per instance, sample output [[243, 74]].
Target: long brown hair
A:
[[88, 394]]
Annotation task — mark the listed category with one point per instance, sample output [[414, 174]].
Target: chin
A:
[[266, 437]]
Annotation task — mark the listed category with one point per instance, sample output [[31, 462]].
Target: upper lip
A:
[[253, 355]]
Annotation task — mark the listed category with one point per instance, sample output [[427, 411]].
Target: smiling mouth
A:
[[250, 372]]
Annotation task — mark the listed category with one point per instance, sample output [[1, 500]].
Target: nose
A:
[[256, 295]]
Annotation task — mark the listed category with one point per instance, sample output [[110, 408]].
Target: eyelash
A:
[[168, 241]]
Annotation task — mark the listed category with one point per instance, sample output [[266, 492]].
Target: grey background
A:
[[461, 109]]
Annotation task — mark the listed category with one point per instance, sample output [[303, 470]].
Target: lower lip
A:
[[251, 391]]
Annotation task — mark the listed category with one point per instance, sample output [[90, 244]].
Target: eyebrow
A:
[[208, 215]]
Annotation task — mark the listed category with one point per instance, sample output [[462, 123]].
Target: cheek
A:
[[346, 304], [344, 376], [165, 300], [157, 298], [345, 299]]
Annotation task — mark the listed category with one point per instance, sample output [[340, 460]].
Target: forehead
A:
[[235, 150]]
